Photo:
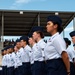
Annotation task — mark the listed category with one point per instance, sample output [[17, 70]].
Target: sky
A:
[[49, 5], [46, 5]]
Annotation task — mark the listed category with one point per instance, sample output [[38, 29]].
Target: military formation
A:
[[31, 55]]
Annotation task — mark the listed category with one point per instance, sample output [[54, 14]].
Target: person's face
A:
[[22, 42], [18, 45], [35, 36], [30, 41], [8, 51], [73, 39], [50, 27], [15, 49], [12, 50], [5, 52]]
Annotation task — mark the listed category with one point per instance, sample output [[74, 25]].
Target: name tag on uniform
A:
[[49, 40]]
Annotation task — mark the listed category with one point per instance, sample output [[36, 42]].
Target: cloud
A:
[[18, 3], [69, 29], [21, 1]]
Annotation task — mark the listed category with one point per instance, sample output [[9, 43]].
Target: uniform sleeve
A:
[[16, 60], [29, 52], [59, 45], [42, 46], [73, 53], [6, 60], [2, 61]]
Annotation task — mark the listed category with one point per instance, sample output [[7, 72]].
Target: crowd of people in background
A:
[[8, 42], [11, 42], [31, 55]]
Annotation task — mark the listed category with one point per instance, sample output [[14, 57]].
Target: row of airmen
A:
[[32, 56]]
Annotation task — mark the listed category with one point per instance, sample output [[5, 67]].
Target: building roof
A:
[[16, 24]]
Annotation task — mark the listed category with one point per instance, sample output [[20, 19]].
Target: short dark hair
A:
[[25, 41], [59, 28], [41, 33], [24, 38]]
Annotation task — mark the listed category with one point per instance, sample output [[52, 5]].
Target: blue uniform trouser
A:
[[4, 70], [72, 68], [10, 71], [1, 71], [20, 70], [16, 71], [39, 68], [32, 69], [26, 69], [55, 67]]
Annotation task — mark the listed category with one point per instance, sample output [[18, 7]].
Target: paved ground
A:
[[0, 54], [0, 59]]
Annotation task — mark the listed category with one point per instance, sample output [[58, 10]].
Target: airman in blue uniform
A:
[[57, 60]]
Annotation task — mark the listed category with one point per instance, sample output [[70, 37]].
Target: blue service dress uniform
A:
[[26, 63], [20, 71], [32, 59], [10, 64], [1, 71], [39, 61], [21, 56], [4, 65], [72, 34], [74, 54], [16, 63], [71, 55], [54, 64]]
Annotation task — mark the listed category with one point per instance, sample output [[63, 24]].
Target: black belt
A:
[[53, 59], [39, 61], [11, 67], [26, 63], [4, 66]]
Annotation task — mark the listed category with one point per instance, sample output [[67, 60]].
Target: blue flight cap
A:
[[2, 50], [30, 34], [67, 41], [37, 28], [8, 47], [25, 38], [18, 40], [55, 19], [5, 48], [11, 46], [72, 33]]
